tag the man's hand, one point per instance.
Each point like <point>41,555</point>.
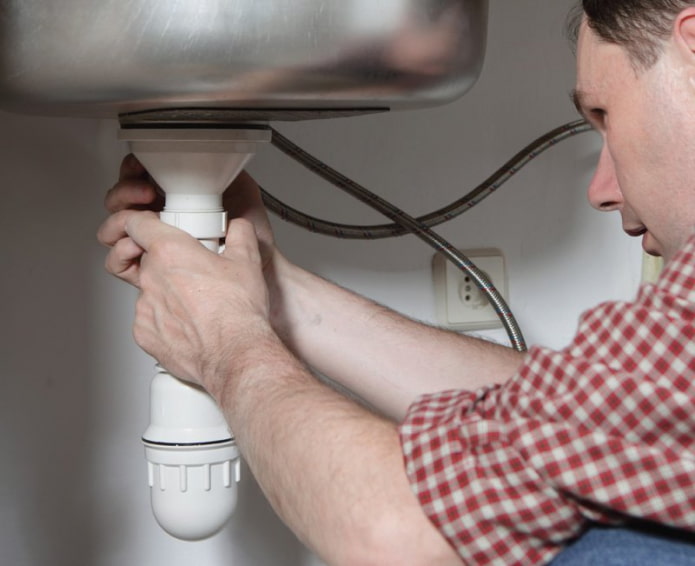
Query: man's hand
<point>135,189</point>
<point>195,307</point>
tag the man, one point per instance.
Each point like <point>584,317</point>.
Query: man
<point>521,453</point>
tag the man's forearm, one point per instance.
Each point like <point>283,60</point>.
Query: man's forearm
<point>385,358</point>
<point>332,470</point>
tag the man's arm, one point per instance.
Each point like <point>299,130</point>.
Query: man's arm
<point>382,356</point>
<point>332,470</point>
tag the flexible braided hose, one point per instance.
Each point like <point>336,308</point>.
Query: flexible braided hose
<point>421,227</point>
<point>456,208</point>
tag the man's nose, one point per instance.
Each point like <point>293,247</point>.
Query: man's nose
<point>604,192</point>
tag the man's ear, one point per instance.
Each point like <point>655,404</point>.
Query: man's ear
<point>684,29</point>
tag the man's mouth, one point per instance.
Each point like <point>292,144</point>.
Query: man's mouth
<point>635,232</point>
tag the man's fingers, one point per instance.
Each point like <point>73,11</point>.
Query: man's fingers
<point>134,189</point>
<point>131,168</point>
<point>130,234</point>
<point>146,229</point>
<point>123,261</point>
<point>114,228</point>
<point>241,237</point>
<point>242,198</point>
<point>143,226</point>
<point>132,193</point>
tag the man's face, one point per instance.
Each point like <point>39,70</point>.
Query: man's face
<point>647,166</point>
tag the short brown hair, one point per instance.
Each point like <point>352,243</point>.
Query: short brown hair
<point>640,26</point>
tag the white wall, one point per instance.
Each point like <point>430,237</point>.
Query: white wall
<point>74,387</point>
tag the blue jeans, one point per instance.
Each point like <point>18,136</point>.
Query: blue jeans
<point>636,546</point>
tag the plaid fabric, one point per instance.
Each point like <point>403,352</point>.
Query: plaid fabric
<point>601,431</point>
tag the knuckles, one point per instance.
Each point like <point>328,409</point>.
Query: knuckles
<point>164,252</point>
<point>113,228</point>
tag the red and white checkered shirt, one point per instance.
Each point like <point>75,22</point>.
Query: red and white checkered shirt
<point>603,430</point>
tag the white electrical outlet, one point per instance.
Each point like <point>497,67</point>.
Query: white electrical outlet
<point>460,304</point>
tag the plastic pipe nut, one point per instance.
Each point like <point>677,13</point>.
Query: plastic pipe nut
<point>202,225</point>
<point>193,489</point>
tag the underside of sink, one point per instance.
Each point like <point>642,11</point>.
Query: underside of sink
<point>246,59</point>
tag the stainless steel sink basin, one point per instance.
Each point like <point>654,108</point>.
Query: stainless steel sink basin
<point>278,59</point>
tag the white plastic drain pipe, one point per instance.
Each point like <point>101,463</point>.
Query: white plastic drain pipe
<point>193,463</point>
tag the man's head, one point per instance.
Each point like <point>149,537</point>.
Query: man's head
<point>636,85</point>
<point>640,26</point>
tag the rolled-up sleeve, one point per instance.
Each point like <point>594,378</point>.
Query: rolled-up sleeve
<point>601,431</point>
